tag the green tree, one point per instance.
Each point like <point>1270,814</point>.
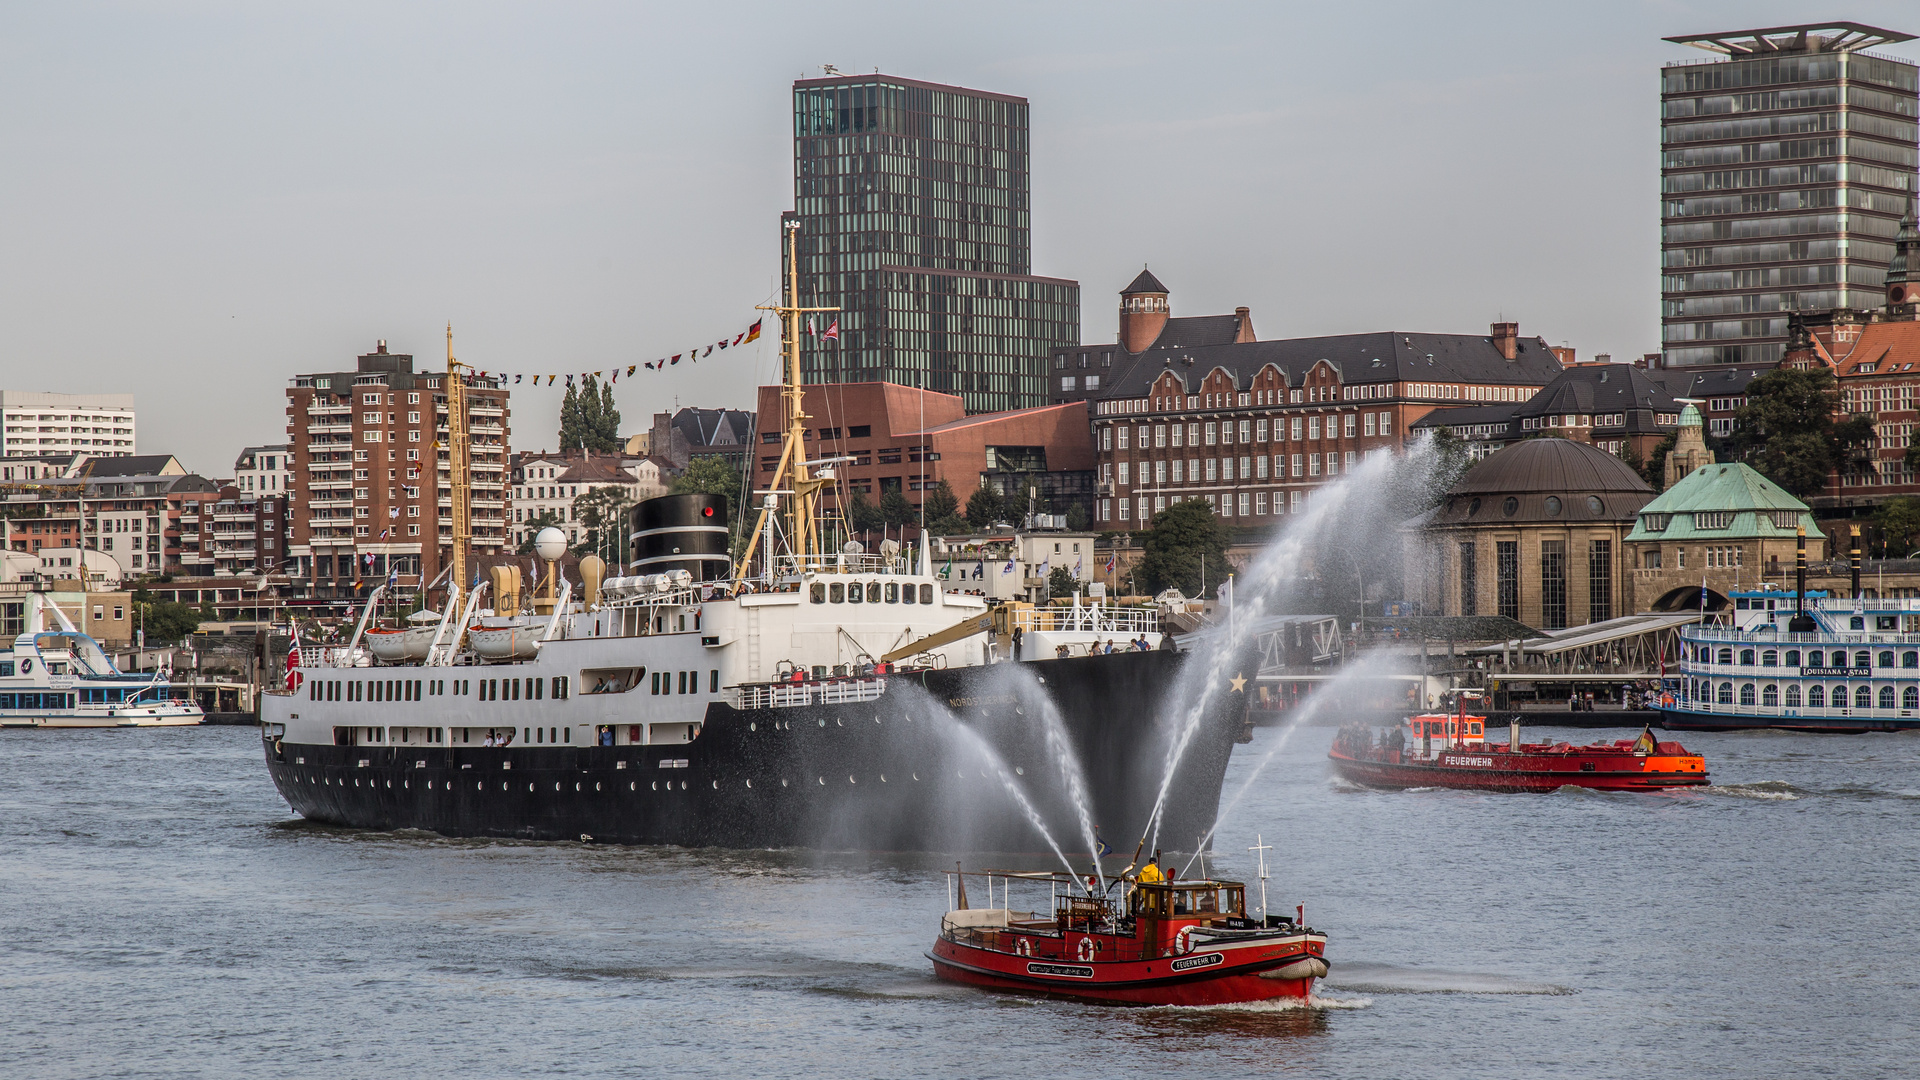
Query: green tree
<point>1077,518</point>
<point>861,515</point>
<point>169,622</point>
<point>897,510</point>
<point>1788,431</point>
<point>941,503</point>
<point>710,474</point>
<point>1899,521</point>
<point>1183,536</point>
<point>546,518</point>
<point>603,510</point>
<point>984,507</point>
<point>1061,582</point>
<point>589,419</point>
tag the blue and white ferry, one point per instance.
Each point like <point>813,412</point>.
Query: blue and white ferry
<point>62,678</point>
<point>1851,665</point>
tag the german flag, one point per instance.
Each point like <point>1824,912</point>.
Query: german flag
<point>753,332</point>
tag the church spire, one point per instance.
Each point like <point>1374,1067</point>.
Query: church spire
<point>1903,272</point>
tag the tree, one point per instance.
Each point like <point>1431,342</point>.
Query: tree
<point>896,509</point>
<point>168,621</point>
<point>1183,538</point>
<point>943,511</point>
<point>1077,519</point>
<point>603,510</point>
<point>1061,582</point>
<point>984,507</point>
<point>1899,521</point>
<point>861,515</point>
<point>588,418</point>
<point>710,474</point>
<point>546,518</point>
<point>1787,429</point>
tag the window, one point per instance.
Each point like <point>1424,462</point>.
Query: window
<point>1368,427</point>
<point>1212,433</point>
<point>1507,577</point>
<point>1816,697</point>
<point>1886,697</point>
<point>1725,696</point>
<point>1553,584</point>
<point>1793,696</point>
<point>1348,426</point>
<point>1469,579</point>
<point>1863,697</point>
<point>1599,580</point>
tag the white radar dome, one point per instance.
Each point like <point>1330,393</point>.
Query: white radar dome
<point>550,543</point>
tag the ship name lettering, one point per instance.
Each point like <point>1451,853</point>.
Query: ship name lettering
<point>1203,960</point>
<point>1467,760</point>
<point>1071,971</point>
<point>985,699</point>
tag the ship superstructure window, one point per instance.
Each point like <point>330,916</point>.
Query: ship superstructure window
<point>855,594</point>
<point>562,687</point>
<point>713,681</point>
<point>906,595</point>
<point>837,592</point>
<point>818,592</point>
<point>926,594</point>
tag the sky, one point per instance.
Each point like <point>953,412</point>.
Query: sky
<point>204,199</point>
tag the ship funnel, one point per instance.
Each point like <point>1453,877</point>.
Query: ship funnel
<point>1801,623</point>
<point>506,590</point>
<point>1513,735</point>
<point>1853,561</point>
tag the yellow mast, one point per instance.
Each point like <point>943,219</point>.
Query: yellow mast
<point>457,451</point>
<point>803,516</point>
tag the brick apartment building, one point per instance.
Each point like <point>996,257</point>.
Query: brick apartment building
<point>1254,426</point>
<point>908,440</point>
<point>370,482</point>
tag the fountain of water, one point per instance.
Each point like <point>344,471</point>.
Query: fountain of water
<point>1035,700</point>
<point>1351,506</point>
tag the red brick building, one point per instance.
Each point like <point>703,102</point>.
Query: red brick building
<point>371,493</point>
<point>900,438</point>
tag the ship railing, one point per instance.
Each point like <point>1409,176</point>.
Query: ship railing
<point>1682,703</point>
<point>1830,637</point>
<point>843,564</point>
<point>1098,619</point>
<point>792,695</point>
<point>332,656</point>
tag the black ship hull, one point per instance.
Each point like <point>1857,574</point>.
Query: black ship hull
<point>942,760</point>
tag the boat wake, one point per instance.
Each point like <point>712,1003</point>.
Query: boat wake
<point>1274,1005</point>
<point>1770,790</point>
<point>1394,979</point>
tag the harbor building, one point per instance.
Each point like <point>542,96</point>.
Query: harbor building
<point>913,206</point>
<point>1534,533</point>
<point>1620,408</point>
<point>1203,410</point>
<point>546,485</point>
<point>370,483</point>
<point>35,423</point>
<point>1787,161</point>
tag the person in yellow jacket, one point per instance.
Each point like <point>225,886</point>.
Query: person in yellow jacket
<point>1150,874</point>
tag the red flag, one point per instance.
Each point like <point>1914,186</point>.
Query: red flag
<point>294,675</point>
<point>675,360</point>
<point>833,331</point>
<point>753,332</point>
<point>810,332</point>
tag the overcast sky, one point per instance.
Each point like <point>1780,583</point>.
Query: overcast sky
<point>203,199</point>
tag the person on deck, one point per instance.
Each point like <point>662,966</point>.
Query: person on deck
<point>1150,874</point>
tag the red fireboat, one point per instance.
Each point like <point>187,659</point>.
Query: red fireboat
<point>1180,942</point>
<point>1451,750</point>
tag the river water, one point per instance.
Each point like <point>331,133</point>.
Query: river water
<point>163,915</point>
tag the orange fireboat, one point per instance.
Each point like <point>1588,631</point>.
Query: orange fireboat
<point>1451,750</point>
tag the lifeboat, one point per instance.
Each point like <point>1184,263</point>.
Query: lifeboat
<point>507,639</point>
<point>1183,942</point>
<point>1451,750</point>
<point>400,646</point>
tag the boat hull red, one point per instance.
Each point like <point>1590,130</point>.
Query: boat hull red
<point>1486,771</point>
<point>1251,973</point>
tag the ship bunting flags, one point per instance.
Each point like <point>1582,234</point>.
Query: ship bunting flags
<point>612,375</point>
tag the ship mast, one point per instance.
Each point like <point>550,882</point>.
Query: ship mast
<point>457,467</point>
<point>791,477</point>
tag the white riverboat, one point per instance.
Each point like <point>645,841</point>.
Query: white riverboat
<point>1846,665</point>
<point>55,676</point>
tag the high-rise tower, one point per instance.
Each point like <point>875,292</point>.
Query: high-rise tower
<point>1786,166</point>
<point>913,204</point>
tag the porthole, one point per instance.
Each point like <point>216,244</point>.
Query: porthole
<point>883,778</point>
<point>683,785</point>
<point>850,780</point>
<point>479,786</point>
<point>1553,506</point>
<point>837,722</point>
<point>576,785</point>
<point>1510,507</point>
<point>823,781</point>
<point>716,785</point>
<point>916,776</point>
<point>633,785</point>
<point>783,781</point>
<point>1595,506</point>
<point>749,783</point>
<point>823,721</point>
<point>753,727</point>
<point>656,785</point>
<point>596,785</point>
<point>1019,771</point>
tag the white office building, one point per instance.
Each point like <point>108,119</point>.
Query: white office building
<point>32,423</point>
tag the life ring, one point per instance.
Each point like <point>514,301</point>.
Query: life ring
<point>1182,942</point>
<point>1023,948</point>
<point>1086,949</point>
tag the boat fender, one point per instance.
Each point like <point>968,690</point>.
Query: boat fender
<point>1086,949</point>
<point>1023,948</point>
<point>1307,967</point>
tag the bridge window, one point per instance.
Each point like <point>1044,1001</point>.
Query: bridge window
<point>1726,656</point>
<point>1726,693</point>
<point>1746,657</point>
<point>1793,695</point>
<point>1886,658</point>
<point>1816,697</point>
<point>1746,693</point>
<point>1770,658</point>
<point>1793,657</point>
<point>1886,697</point>
<point>1863,697</point>
<point>1770,695</point>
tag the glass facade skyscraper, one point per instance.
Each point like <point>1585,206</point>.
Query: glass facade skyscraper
<point>1786,165</point>
<point>912,200</point>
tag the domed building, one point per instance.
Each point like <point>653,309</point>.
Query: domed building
<point>1535,533</point>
